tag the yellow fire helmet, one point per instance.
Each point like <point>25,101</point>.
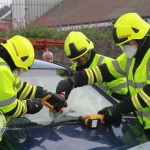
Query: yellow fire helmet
<point>76,45</point>
<point>128,27</point>
<point>21,51</point>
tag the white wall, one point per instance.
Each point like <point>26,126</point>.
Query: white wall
<point>22,10</point>
<point>18,13</point>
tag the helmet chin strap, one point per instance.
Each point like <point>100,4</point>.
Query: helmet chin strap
<point>89,52</point>
<point>140,44</point>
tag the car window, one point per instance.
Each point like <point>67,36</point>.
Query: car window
<point>81,101</point>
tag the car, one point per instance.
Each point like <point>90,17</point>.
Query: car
<point>63,130</point>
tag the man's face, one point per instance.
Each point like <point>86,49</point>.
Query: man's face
<point>48,58</point>
<point>82,60</point>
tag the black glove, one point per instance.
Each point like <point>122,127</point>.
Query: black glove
<point>111,114</point>
<point>65,86</point>
<point>56,101</point>
<point>34,105</point>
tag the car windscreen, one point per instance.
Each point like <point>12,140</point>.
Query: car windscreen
<point>81,101</point>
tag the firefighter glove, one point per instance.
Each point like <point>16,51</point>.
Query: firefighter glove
<point>65,86</point>
<point>56,101</point>
<point>111,114</point>
<point>34,105</point>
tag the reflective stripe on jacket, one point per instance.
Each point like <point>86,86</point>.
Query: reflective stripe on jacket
<point>116,86</point>
<point>13,93</point>
<point>140,96</point>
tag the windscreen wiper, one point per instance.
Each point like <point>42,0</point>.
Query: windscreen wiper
<point>66,122</point>
<point>21,125</point>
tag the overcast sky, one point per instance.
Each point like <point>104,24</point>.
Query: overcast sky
<point>5,2</point>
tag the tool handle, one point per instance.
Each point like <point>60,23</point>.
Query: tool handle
<point>47,104</point>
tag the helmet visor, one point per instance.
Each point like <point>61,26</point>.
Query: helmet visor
<point>83,59</point>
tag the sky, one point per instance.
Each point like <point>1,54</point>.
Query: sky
<point>5,2</point>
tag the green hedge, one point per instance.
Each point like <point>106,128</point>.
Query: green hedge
<point>38,30</point>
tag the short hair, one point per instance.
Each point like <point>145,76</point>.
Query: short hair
<point>47,52</point>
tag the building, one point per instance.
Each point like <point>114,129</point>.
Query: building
<point>73,14</point>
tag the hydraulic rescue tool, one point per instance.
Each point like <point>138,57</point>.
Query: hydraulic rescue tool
<point>45,103</point>
<point>92,121</point>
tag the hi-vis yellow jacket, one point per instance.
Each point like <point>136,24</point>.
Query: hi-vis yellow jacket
<point>116,86</point>
<point>138,79</point>
<point>13,93</point>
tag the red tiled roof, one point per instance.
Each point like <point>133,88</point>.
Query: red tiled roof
<point>88,11</point>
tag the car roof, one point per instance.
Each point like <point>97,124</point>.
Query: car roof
<point>43,64</point>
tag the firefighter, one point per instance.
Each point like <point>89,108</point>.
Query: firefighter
<point>18,98</point>
<point>79,49</point>
<point>131,33</point>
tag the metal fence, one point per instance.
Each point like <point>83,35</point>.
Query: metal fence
<point>67,14</point>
